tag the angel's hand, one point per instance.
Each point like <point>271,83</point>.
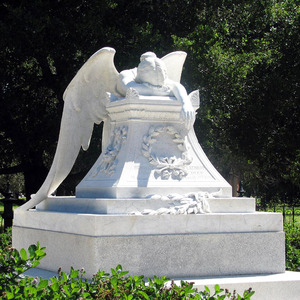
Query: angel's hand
<point>188,114</point>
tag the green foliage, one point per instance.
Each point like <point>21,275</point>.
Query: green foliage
<point>118,285</point>
<point>5,240</point>
<point>246,56</point>
<point>115,286</point>
<point>292,246</point>
<point>14,263</point>
<point>16,183</point>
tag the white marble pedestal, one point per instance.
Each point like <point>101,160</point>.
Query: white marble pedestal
<point>149,155</point>
<point>214,244</point>
<point>148,150</point>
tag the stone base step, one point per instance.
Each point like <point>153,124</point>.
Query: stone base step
<point>283,286</point>
<point>171,255</point>
<point>128,206</point>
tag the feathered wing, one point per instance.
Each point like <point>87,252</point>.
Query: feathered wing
<point>85,104</point>
<point>174,62</point>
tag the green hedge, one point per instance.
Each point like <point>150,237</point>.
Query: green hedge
<point>292,246</point>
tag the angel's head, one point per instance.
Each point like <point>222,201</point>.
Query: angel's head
<point>151,70</point>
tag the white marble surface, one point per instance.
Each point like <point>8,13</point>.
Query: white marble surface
<point>128,206</point>
<point>157,155</point>
<point>114,225</point>
<point>171,255</point>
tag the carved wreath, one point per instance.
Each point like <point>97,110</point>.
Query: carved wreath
<point>167,167</point>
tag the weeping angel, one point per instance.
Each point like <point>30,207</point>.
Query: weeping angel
<point>85,101</point>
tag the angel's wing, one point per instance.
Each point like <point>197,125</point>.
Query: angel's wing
<point>174,62</point>
<point>85,104</point>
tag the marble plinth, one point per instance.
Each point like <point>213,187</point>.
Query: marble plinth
<point>164,245</point>
<point>127,206</point>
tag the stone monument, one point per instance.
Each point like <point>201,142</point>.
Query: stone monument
<point>152,202</point>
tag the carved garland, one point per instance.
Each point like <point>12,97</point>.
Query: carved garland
<point>108,162</point>
<point>167,167</point>
<point>191,203</point>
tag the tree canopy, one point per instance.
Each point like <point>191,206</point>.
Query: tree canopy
<point>242,55</point>
<point>247,56</point>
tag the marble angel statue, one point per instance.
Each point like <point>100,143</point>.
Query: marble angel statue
<point>85,101</point>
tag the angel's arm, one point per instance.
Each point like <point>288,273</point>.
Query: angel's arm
<point>188,113</point>
<point>127,80</point>
<point>171,88</point>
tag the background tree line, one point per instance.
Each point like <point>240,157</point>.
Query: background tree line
<point>243,56</point>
